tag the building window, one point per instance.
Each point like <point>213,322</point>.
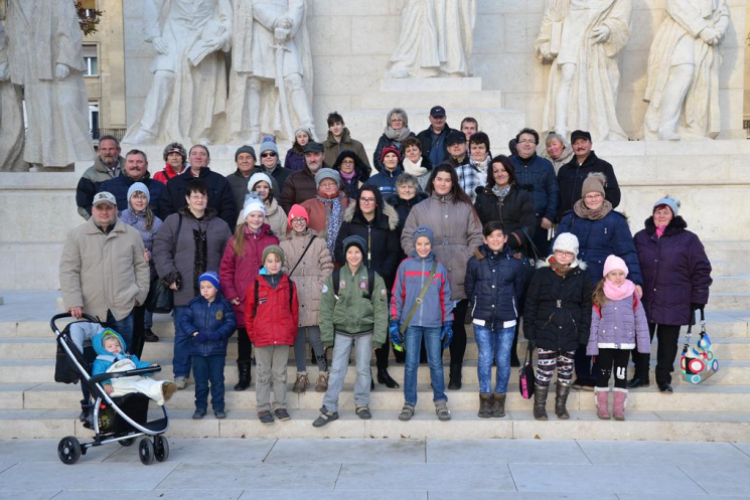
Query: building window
<point>90,60</point>
<point>94,120</point>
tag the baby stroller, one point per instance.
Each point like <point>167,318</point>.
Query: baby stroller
<point>114,419</point>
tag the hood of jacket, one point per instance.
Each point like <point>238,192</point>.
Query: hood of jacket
<point>208,215</point>
<point>675,226</point>
<point>396,201</point>
<point>360,169</point>
<point>345,137</point>
<point>386,216</point>
<point>98,342</point>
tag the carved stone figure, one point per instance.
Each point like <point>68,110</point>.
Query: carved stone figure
<point>683,72</point>
<point>11,115</point>
<point>272,74</point>
<point>45,55</point>
<point>188,97</point>
<point>436,39</point>
<point>582,39</point>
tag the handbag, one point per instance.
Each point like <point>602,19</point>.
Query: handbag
<point>698,363</point>
<point>160,297</point>
<point>526,375</point>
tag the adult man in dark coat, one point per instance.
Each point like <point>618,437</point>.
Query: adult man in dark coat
<point>136,170</point>
<point>300,186</point>
<point>108,165</point>
<point>434,138</point>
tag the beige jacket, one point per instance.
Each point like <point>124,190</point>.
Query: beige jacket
<point>104,272</point>
<point>310,274</point>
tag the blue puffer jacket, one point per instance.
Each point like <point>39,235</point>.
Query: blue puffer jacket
<point>119,188</point>
<point>599,239</point>
<point>105,359</point>
<point>215,320</point>
<point>385,181</point>
<point>540,174</point>
<point>493,280</point>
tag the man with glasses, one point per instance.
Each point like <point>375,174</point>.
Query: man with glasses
<point>572,174</point>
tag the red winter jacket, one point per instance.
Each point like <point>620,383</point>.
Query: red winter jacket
<point>163,176</point>
<point>274,320</point>
<point>237,273</point>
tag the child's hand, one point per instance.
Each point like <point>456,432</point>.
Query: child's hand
<point>199,337</point>
<point>108,388</point>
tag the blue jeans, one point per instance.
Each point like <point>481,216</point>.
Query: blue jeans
<point>124,327</point>
<point>181,357</point>
<point>205,369</point>
<point>434,350</point>
<point>493,344</point>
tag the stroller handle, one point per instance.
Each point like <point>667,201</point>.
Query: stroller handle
<point>64,315</point>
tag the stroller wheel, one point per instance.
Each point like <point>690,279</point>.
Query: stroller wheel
<point>127,442</point>
<point>161,448</point>
<point>69,450</point>
<point>146,451</point>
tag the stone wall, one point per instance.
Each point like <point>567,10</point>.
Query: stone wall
<point>352,41</point>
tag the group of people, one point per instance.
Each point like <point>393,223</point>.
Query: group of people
<point>351,257</point>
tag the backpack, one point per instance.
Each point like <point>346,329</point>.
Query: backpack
<point>635,306</point>
<point>337,281</point>
<point>255,295</point>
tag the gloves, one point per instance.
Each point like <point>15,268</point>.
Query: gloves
<point>394,330</point>
<point>200,337</point>
<point>447,334</point>
<point>213,336</point>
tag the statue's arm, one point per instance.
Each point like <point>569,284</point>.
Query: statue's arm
<point>618,23</point>
<point>296,14</point>
<point>68,37</point>
<point>722,25</point>
<point>685,13</point>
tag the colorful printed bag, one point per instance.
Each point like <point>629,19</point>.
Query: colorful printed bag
<point>698,363</point>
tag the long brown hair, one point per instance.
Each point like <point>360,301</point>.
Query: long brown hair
<point>598,298</point>
<point>149,214</point>
<point>238,243</point>
<point>456,191</point>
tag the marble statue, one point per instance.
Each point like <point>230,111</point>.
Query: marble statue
<point>188,96</point>
<point>45,56</point>
<point>683,72</point>
<point>271,79</point>
<point>582,40</point>
<point>11,115</point>
<point>436,39</point>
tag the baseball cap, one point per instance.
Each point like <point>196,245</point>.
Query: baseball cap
<point>437,112</point>
<point>104,197</point>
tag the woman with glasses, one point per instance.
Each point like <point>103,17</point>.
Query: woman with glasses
<point>354,173</point>
<point>269,159</point>
<point>395,133</point>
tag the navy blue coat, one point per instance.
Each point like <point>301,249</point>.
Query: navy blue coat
<point>598,239</point>
<point>216,320</point>
<point>493,280</point>
<point>676,272</point>
<point>539,178</point>
<point>385,181</point>
<point>119,188</point>
<point>220,196</point>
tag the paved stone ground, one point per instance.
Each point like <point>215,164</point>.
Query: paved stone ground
<point>314,469</point>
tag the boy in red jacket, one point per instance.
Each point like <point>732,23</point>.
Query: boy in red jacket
<point>271,317</point>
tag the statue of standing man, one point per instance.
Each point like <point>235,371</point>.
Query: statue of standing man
<point>272,75</point>
<point>683,72</point>
<point>582,39</point>
<point>11,115</point>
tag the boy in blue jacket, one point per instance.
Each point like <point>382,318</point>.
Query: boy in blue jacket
<point>210,319</point>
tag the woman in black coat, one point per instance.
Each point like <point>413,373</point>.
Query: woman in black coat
<point>353,171</point>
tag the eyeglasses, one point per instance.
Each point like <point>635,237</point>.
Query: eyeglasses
<point>268,155</point>
<point>328,184</point>
<point>298,220</point>
<point>367,200</point>
<point>594,196</point>
<point>347,162</point>
<point>196,196</point>
<point>527,141</point>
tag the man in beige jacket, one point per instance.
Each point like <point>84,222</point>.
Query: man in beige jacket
<point>103,270</point>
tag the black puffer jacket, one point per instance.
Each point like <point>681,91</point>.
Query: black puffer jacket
<point>516,212</point>
<point>361,173</point>
<point>557,315</point>
<point>571,177</point>
<point>493,281</point>
<point>403,207</point>
<point>220,196</point>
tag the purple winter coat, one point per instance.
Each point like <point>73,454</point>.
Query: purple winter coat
<point>294,161</point>
<point>676,272</point>
<point>619,327</point>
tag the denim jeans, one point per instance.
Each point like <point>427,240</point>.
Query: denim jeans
<point>181,356</point>
<point>124,327</point>
<point>342,347</point>
<point>205,369</point>
<point>493,344</point>
<point>413,341</point>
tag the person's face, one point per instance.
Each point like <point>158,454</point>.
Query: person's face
<point>423,246</point>
<point>616,277</point>
<point>526,145</point>
<point>564,258</point>
<point>104,213</point>
<point>555,149</point>
<point>197,201</point>
<point>437,122</point>
<point>328,187</point>
<point>337,129</point>
<point>442,183</point>
<point>593,201</point>
<point>582,147</point>
<point>263,190</point>
<point>353,256</point>
<point>175,161</point>
<point>367,202</point>
<point>208,290</point>
<point>469,129</point>
<point>314,160</point>
<point>347,165</point>
<point>496,240</point>
<point>136,166</point>
<point>272,263</point>
<point>662,216</point>
<point>198,158</point>
<point>457,149</point>
<point>109,151</point>
<point>413,153</point>
<point>112,346</point>
<point>302,138</point>
<point>501,176</point>
<point>245,163</point>
<point>390,160</point>
<point>478,152</point>
<point>138,201</point>
<point>406,191</point>
<point>397,121</point>
<point>299,224</point>
<point>269,159</point>
<point>254,220</point>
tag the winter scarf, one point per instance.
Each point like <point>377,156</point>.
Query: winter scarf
<point>415,169</point>
<point>333,219</point>
<point>586,213</point>
<point>481,166</point>
<point>501,193</point>
<point>348,177</point>
<point>660,230</point>
<point>614,292</point>
<point>397,135</point>
<point>559,269</point>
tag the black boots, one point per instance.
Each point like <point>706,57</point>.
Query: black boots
<point>561,399</point>
<point>385,378</point>
<point>540,401</point>
<point>243,367</point>
<point>454,378</point>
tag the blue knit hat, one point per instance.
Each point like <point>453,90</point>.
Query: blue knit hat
<point>670,202</point>
<point>139,186</point>
<point>269,144</point>
<point>211,277</point>
<point>424,231</point>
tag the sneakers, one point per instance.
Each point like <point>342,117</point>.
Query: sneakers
<point>220,414</point>
<point>406,412</point>
<point>265,417</point>
<point>149,336</point>
<point>322,383</point>
<point>199,413</point>
<point>300,385</point>
<point>442,411</point>
<point>363,412</point>
<point>325,417</point>
<point>181,382</point>
<point>282,414</point>
<point>168,389</point>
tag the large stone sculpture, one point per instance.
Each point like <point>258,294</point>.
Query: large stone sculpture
<point>582,39</point>
<point>11,115</point>
<point>436,39</point>
<point>188,96</point>
<point>45,55</point>
<point>272,74</point>
<point>683,72</point>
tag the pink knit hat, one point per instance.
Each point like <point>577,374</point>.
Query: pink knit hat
<point>613,263</point>
<point>297,211</point>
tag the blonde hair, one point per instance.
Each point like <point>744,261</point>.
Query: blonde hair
<point>149,213</point>
<point>238,243</point>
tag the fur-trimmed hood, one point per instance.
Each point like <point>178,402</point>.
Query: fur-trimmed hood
<point>676,225</point>
<point>386,216</point>
<point>576,263</point>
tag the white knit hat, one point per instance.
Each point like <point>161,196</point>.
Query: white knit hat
<point>253,205</point>
<point>566,242</point>
<point>256,178</point>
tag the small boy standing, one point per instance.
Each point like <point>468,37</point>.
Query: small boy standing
<point>211,321</point>
<point>271,317</point>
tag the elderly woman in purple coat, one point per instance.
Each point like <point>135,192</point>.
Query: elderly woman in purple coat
<point>677,276</point>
